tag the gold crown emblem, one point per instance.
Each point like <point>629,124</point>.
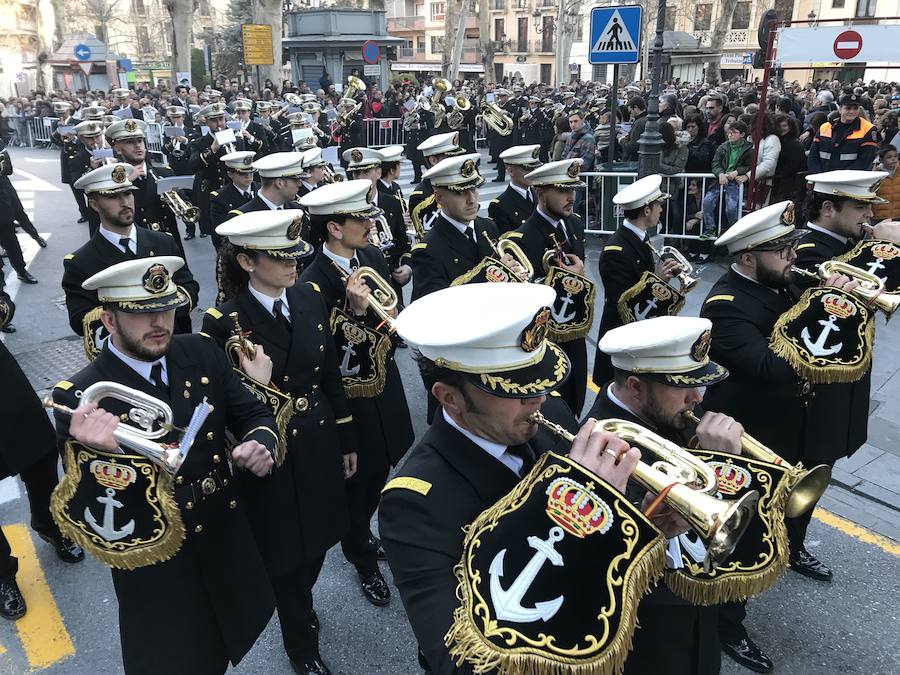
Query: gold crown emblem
<point>356,156</point>
<point>118,174</point>
<point>536,331</point>
<point>885,251</point>
<point>573,170</point>
<point>130,126</point>
<point>467,170</point>
<point>293,231</point>
<point>700,348</point>
<point>577,508</point>
<point>660,291</point>
<point>353,333</point>
<point>496,274</point>
<point>788,216</point>
<point>572,285</point>
<point>156,280</point>
<point>112,475</point>
<point>838,305</point>
<point>731,478</point>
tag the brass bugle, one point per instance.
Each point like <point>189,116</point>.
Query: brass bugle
<point>554,255</point>
<point>382,300</point>
<point>503,247</point>
<point>720,523</point>
<point>870,290</point>
<point>688,283</point>
<point>808,484</point>
<point>238,344</point>
<point>180,207</point>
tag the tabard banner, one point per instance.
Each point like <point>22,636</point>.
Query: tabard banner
<point>827,337</point>
<point>650,297</point>
<point>489,270</point>
<point>281,405</point>
<point>117,507</point>
<point>761,555</point>
<point>552,574</point>
<point>881,258</point>
<point>573,312</point>
<point>362,356</point>
<point>94,333</point>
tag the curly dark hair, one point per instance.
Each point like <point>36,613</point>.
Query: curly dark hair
<point>318,228</point>
<point>232,277</point>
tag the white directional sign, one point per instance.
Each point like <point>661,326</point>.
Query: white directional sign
<point>872,43</point>
<point>616,34</point>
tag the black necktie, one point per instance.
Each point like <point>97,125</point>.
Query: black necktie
<point>125,242</point>
<point>279,315</point>
<point>156,377</point>
<point>470,235</point>
<point>530,196</point>
<point>561,234</point>
<point>354,263</point>
<point>525,453</point>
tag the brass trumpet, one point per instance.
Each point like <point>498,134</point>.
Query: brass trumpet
<point>180,207</point>
<point>720,523</point>
<point>237,344</point>
<point>329,176</point>
<point>456,118</point>
<point>503,247</point>
<point>354,86</point>
<point>382,300</point>
<point>153,419</point>
<point>441,87</point>
<point>808,484</point>
<point>496,118</point>
<point>551,256</point>
<point>688,283</point>
<point>292,101</point>
<point>870,289</point>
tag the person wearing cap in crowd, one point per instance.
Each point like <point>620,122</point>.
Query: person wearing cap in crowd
<point>280,174</point>
<point>498,143</point>
<point>253,134</point>
<point>390,171</point>
<point>111,196</point>
<point>182,100</point>
<point>288,323</point>
<point>480,445</point>
<point>847,143</point>
<point>353,133</point>
<point>237,191</point>
<point>416,124</point>
<point>627,255</point>
<point>569,104</point>
<point>301,139</point>
<point>314,171</point>
<point>422,205</point>
<point>77,160</point>
<point>320,126</point>
<point>661,367</point>
<point>127,138</point>
<point>553,185</point>
<point>515,204</point>
<point>264,112</point>
<point>12,215</point>
<point>93,113</point>
<point>122,97</point>
<point>213,592</point>
<point>177,148</point>
<point>341,222</point>
<point>209,172</point>
<point>530,121</point>
<point>762,391</point>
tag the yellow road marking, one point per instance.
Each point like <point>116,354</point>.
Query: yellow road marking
<point>857,532</point>
<point>593,387</point>
<point>42,631</point>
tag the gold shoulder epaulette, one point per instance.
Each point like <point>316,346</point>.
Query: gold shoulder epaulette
<point>416,192</point>
<point>408,483</point>
<point>809,244</point>
<point>495,201</point>
<point>69,256</point>
<point>206,335</point>
<point>214,313</point>
<point>726,298</point>
<point>555,393</point>
<point>418,247</point>
<point>344,420</point>
<point>612,247</point>
<point>65,385</point>
<point>512,234</point>
<point>315,286</point>
<point>235,212</point>
<point>214,193</point>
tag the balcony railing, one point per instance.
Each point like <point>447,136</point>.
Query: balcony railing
<point>519,47</point>
<point>499,5</point>
<point>401,23</point>
<point>545,45</point>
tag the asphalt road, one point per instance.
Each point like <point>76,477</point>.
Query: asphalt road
<point>849,626</point>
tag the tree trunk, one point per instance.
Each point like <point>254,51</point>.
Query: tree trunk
<point>564,37</point>
<point>269,12</point>
<point>59,22</point>
<point>486,40</point>
<point>723,23</point>
<point>451,26</point>
<point>182,13</point>
<point>460,40</point>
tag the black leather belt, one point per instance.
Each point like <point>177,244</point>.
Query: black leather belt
<point>212,486</point>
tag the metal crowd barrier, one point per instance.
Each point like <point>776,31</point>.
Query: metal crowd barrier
<point>40,130</point>
<point>682,216</point>
<point>154,138</point>
<point>384,131</point>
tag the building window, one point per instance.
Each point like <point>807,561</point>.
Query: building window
<point>579,31</point>
<point>438,10</point>
<point>420,9</point>
<point>143,39</point>
<point>702,17</point>
<point>522,42</point>
<point>600,70</point>
<point>498,29</point>
<point>437,44</point>
<point>139,7</point>
<point>420,44</point>
<point>865,7</point>
<point>837,4</point>
<point>100,32</point>
<point>671,16</point>
<point>740,20</point>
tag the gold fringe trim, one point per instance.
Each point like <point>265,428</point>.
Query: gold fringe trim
<point>575,332</point>
<point>647,279</point>
<point>91,348</point>
<point>281,405</point>
<point>355,387</point>
<point>467,644</point>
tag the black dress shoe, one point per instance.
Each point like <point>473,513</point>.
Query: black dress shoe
<point>83,219</point>
<point>12,604</point>
<point>202,236</point>
<point>41,242</point>
<point>810,566</point>
<point>311,666</point>
<point>26,277</point>
<point>67,550</point>
<point>375,588</point>
<point>375,542</point>
<point>748,654</point>
<point>8,328</point>
<point>188,237</point>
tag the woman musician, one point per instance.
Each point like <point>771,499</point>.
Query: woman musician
<point>287,323</point>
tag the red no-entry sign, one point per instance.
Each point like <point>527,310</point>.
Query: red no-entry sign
<point>847,44</point>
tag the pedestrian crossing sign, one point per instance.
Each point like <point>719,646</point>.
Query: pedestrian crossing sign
<point>616,34</point>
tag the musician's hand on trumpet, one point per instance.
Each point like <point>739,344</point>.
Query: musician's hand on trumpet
<point>571,263</point>
<point>508,260</point>
<point>94,427</point>
<point>254,457</point>
<point>358,293</point>
<point>887,230</point>
<point>259,367</point>
<point>605,454</point>
<point>667,268</point>
<point>717,431</point>
<point>665,518</point>
<point>841,282</point>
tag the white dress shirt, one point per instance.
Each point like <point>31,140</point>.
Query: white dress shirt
<point>819,228</point>
<point>554,223</point>
<point>462,227</point>
<point>113,238</point>
<point>495,450</point>
<point>340,261</point>
<point>142,368</point>
<point>268,302</point>
<point>522,191</point>
<point>271,205</point>
<point>641,234</point>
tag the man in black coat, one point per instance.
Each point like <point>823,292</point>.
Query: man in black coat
<point>70,146</point>
<point>515,204</point>
<point>627,255</point>
<point>237,190</point>
<point>478,447</point>
<point>110,195</point>
<point>12,215</point>
<point>90,137</point>
<point>177,149</point>
<point>213,593</point>
<point>422,205</point>
<point>252,133</point>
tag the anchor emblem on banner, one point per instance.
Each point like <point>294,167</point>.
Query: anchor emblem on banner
<point>349,352</point>
<point>641,314</point>
<point>818,347</point>
<point>560,316</point>
<point>108,530</point>
<point>508,602</point>
<point>874,266</point>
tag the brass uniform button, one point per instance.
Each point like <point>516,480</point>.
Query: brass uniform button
<point>232,504</point>
<point>179,480</point>
<point>204,380</point>
<point>286,378</point>
<point>187,394</point>
<point>216,459</point>
<point>187,383</point>
<point>211,407</point>
<point>208,485</point>
<point>321,423</point>
<point>293,432</point>
<point>316,369</point>
<point>301,404</point>
<point>321,348</point>
<point>210,436</point>
<point>198,529</point>
<point>319,326</point>
<point>189,506</point>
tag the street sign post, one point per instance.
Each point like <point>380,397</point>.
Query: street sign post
<point>370,52</point>
<point>616,34</point>
<point>257,41</point>
<point>82,52</point>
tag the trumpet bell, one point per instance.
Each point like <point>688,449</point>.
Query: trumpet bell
<point>721,525</point>
<point>354,86</point>
<point>808,488</point>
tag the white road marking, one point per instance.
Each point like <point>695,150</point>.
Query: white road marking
<point>9,490</point>
<point>31,182</point>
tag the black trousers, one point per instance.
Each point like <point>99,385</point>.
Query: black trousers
<point>10,244</point>
<point>362,500</point>
<point>796,529</point>
<point>294,602</point>
<point>80,201</point>
<point>40,479</point>
<point>731,621</point>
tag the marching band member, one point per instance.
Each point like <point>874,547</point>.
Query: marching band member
<point>264,113</point>
<point>253,134</point>
<point>238,190</point>
<point>288,323</point>
<point>515,204</point>
<point>341,225</point>
<point>479,446</point>
<point>422,205</point>
<point>390,171</point>
<point>627,255</point>
<point>90,137</point>
<point>111,195</point>
<point>280,174</point>
<point>209,590</point>
<point>314,171</point>
<point>70,148</point>
<point>177,150</point>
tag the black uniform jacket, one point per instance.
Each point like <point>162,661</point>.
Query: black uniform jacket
<point>838,413</point>
<point>299,512</point>
<point>687,634</point>
<point>510,210</point>
<point>149,210</point>
<point>623,260</point>
<point>447,253</point>
<point>423,192</point>
<point>99,253</point>
<point>209,174</point>
<point>213,595</point>
<point>761,392</point>
<point>225,200</point>
<point>393,213</point>
<point>382,422</point>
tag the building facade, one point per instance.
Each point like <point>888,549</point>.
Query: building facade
<point>26,33</point>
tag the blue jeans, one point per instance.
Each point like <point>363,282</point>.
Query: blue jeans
<point>731,193</point>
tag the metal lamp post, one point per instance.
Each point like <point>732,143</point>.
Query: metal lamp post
<point>650,143</point>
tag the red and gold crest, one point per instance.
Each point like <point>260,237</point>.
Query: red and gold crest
<point>789,215</point>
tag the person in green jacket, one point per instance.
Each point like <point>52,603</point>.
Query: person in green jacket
<point>731,166</point>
